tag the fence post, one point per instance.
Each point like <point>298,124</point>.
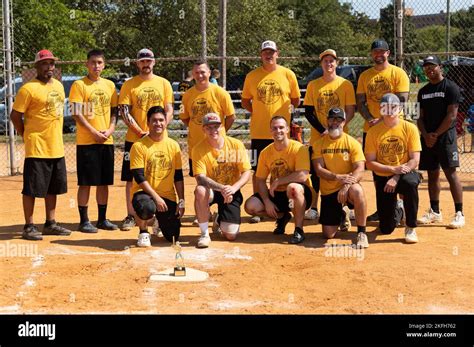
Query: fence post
<point>7,48</point>
<point>223,41</point>
<point>203,30</point>
<point>399,32</point>
<point>448,27</point>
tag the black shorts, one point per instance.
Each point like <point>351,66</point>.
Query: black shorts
<point>190,161</point>
<point>331,209</point>
<point>169,222</point>
<point>127,175</point>
<point>44,176</point>
<point>256,147</point>
<point>95,165</point>
<point>229,213</point>
<point>315,181</point>
<point>282,202</point>
<point>444,153</point>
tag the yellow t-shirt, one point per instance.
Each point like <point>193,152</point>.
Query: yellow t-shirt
<point>42,105</point>
<point>374,84</point>
<point>160,161</point>
<point>142,95</point>
<point>197,104</point>
<point>225,165</point>
<point>270,93</point>
<point>282,163</point>
<point>392,145</point>
<point>339,155</point>
<point>324,95</point>
<point>97,98</point>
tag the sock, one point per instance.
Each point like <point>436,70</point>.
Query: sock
<point>360,229</point>
<point>435,205</point>
<point>143,231</point>
<point>458,207</point>
<point>83,214</point>
<point>102,211</point>
<point>49,222</point>
<point>204,228</point>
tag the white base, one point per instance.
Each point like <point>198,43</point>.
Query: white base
<point>192,275</point>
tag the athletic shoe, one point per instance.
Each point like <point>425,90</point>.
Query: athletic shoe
<point>156,229</point>
<point>352,215</point>
<point>281,224</point>
<point>311,214</point>
<point>410,235</point>
<point>31,232</point>
<point>374,217</point>
<point>345,221</point>
<point>255,219</point>
<point>204,241</point>
<point>402,208</point>
<point>88,228</point>
<point>430,217</point>
<point>128,223</point>
<point>144,240</point>
<point>362,240</point>
<point>215,224</point>
<point>458,221</point>
<point>298,236</point>
<point>106,225</point>
<point>55,229</point>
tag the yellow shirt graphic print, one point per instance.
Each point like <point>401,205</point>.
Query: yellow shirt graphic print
<point>269,91</point>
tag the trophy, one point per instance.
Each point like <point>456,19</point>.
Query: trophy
<point>179,269</point>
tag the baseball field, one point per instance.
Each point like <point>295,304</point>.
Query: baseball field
<point>259,273</point>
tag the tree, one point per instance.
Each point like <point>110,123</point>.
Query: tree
<point>463,40</point>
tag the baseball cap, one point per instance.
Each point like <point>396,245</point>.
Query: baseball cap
<point>390,99</point>
<point>330,52</point>
<point>145,54</point>
<point>431,59</point>
<point>269,45</point>
<point>211,118</point>
<point>144,206</point>
<point>44,54</point>
<point>337,112</point>
<point>379,44</point>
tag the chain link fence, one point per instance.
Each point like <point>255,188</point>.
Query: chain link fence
<point>230,41</point>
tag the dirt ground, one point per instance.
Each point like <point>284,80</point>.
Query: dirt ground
<point>258,273</point>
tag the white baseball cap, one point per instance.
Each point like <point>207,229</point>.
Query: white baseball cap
<point>269,45</point>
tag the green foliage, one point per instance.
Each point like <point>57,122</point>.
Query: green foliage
<point>463,40</point>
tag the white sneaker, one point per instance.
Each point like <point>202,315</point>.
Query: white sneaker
<point>352,215</point>
<point>458,221</point>
<point>430,217</point>
<point>410,235</point>
<point>144,240</point>
<point>362,240</point>
<point>156,229</point>
<point>255,219</point>
<point>215,225</point>
<point>311,214</point>
<point>204,241</point>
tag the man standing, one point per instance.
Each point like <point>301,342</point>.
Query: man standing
<point>155,162</point>
<point>94,107</point>
<point>287,163</point>
<point>221,168</point>
<point>375,82</point>
<point>137,96</point>
<point>439,101</point>
<point>392,151</point>
<point>322,94</point>
<point>268,91</point>
<point>339,161</point>
<point>38,117</point>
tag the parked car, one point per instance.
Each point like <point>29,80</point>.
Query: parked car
<point>349,72</point>
<point>69,125</point>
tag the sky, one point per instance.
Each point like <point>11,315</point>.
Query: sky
<point>372,7</point>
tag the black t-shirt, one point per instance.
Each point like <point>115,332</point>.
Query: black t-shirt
<point>434,100</point>
<point>184,86</point>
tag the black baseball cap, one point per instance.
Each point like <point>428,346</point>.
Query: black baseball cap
<point>337,112</point>
<point>431,59</point>
<point>379,44</point>
<point>143,205</point>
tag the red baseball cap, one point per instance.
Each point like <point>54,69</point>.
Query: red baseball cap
<point>44,54</point>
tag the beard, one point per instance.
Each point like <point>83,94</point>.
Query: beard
<point>335,132</point>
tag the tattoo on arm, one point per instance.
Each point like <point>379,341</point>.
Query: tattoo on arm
<point>209,183</point>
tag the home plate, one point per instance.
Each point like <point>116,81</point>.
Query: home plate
<point>192,275</point>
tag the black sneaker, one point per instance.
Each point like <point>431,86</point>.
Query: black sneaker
<point>55,229</point>
<point>88,228</point>
<point>31,232</point>
<point>106,225</point>
<point>128,223</point>
<point>298,236</point>
<point>374,217</point>
<point>281,224</point>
